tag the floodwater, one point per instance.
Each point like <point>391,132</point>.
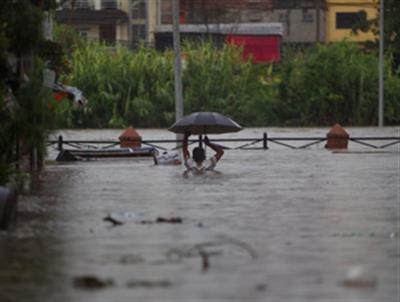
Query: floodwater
<point>275,225</point>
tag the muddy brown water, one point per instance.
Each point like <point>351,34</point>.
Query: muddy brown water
<point>275,225</point>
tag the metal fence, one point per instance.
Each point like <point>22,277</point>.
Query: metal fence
<point>255,143</point>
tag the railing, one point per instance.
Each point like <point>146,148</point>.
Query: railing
<point>261,143</point>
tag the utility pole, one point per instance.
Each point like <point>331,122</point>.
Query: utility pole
<point>177,65</point>
<point>381,64</point>
<point>317,20</point>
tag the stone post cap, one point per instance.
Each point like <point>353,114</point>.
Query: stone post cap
<point>130,134</point>
<point>337,131</point>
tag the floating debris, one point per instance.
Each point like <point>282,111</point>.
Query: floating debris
<point>169,220</point>
<point>359,277</point>
<point>121,218</point>
<point>114,221</point>
<point>209,249</point>
<point>204,257</point>
<point>92,282</point>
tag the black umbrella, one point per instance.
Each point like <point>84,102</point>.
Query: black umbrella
<point>205,123</point>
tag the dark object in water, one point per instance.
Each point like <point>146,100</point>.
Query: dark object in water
<point>8,207</point>
<point>169,220</point>
<point>112,220</point>
<point>92,282</point>
<point>118,220</point>
<point>79,154</point>
<point>205,263</point>
<point>172,220</point>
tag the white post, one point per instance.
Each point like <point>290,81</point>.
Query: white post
<point>177,65</point>
<point>381,65</point>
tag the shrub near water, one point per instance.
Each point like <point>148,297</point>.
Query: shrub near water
<point>219,80</point>
<point>137,88</point>
<point>336,83</point>
<point>123,87</point>
<point>321,86</point>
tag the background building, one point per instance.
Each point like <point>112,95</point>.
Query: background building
<point>128,22</point>
<point>102,20</point>
<point>260,41</point>
<point>342,15</point>
<point>132,22</point>
<point>303,20</point>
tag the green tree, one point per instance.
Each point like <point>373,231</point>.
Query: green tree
<point>24,113</point>
<point>391,26</point>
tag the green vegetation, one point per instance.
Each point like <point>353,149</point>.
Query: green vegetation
<point>318,86</point>
<point>25,112</point>
<point>138,88</point>
<point>391,26</point>
<point>336,83</point>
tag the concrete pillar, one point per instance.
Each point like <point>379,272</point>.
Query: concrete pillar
<point>130,138</point>
<point>337,138</point>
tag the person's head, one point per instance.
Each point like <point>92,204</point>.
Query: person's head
<point>198,155</point>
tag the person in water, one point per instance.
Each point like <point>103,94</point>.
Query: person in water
<point>198,164</point>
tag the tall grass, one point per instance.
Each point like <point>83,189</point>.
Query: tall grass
<point>123,87</point>
<point>137,88</point>
<point>322,85</point>
<point>336,83</point>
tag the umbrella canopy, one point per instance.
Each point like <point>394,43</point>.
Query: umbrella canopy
<point>205,123</point>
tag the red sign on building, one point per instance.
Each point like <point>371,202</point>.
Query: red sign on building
<point>259,49</point>
<point>260,41</point>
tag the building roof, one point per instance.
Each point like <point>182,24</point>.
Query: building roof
<point>226,29</point>
<point>91,16</point>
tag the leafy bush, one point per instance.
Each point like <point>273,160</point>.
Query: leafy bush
<point>123,87</point>
<point>137,88</point>
<point>334,83</point>
<point>321,85</point>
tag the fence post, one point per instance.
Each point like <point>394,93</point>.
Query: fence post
<point>265,141</point>
<point>60,143</point>
<point>337,138</point>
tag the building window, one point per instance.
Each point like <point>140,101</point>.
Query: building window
<point>307,16</point>
<point>346,20</point>
<point>307,3</point>
<point>109,4</point>
<point>283,17</point>
<point>108,33</point>
<point>284,4</point>
<point>138,9</point>
<point>77,4</point>
<point>293,4</point>
<point>166,12</point>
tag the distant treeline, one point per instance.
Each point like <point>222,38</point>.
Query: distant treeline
<point>318,86</point>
